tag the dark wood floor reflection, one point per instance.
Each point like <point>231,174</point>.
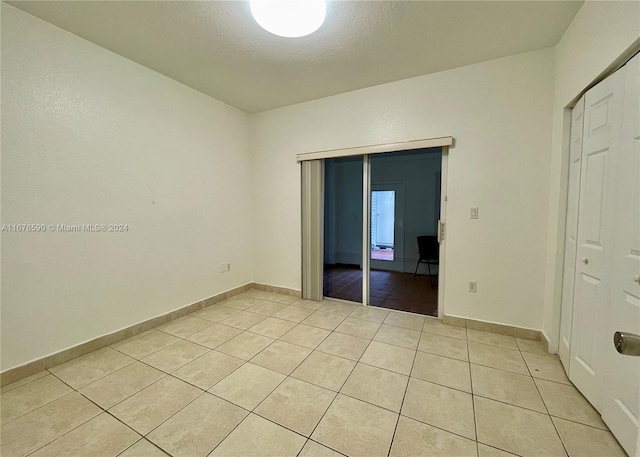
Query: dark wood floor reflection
<point>388,289</point>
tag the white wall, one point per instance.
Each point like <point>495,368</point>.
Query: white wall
<point>600,33</point>
<point>500,114</point>
<point>91,137</point>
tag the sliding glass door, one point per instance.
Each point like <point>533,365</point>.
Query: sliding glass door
<point>405,209</point>
<point>381,223</point>
<point>343,216</point>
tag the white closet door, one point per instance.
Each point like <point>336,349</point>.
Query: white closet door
<point>571,243</point>
<point>621,386</point>
<point>600,155</point>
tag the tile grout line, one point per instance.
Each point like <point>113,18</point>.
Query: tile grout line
<point>509,404</point>
<point>338,391</point>
<point>76,360</point>
<point>47,403</point>
<point>145,435</point>
<point>286,376</point>
<point>583,424</point>
<point>133,444</point>
<point>289,375</point>
<point>173,344</point>
<point>44,404</point>
<point>26,383</point>
<point>142,438</point>
<point>324,445</point>
<point>151,353</point>
<point>102,410</point>
<point>252,411</point>
<point>69,431</point>
<point>500,369</point>
<point>515,406</point>
<point>249,411</point>
<point>394,412</point>
<point>206,390</point>
<point>566,451</point>
<point>132,338</point>
<point>473,401</point>
<point>135,393</point>
<point>404,396</point>
<point>474,395</point>
<point>438,427</point>
<point>220,352</point>
<point>141,360</point>
<point>499,449</point>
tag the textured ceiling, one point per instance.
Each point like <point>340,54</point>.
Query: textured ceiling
<point>218,49</point>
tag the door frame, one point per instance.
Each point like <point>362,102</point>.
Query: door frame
<point>443,142</point>
<point>398,215</point>
<point>552,338</point>
<point>603,399</point>
<point>571,234</point>
<point>442,229</point>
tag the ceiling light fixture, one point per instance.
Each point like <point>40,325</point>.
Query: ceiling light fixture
<point>289,18</point>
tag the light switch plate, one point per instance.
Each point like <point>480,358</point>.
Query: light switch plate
<point>474,213</point>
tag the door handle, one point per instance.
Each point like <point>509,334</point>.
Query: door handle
<point>585,261</point>
<point>627,343</point>
<point>440,231</point>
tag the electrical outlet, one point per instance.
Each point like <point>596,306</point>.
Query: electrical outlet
<point>474,213</point>
<point>225,266</point>
<point>473,287</point>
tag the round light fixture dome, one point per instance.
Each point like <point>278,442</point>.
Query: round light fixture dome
<point>289,18</point>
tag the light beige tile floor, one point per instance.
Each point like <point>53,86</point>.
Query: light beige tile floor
<point>268,374</point>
